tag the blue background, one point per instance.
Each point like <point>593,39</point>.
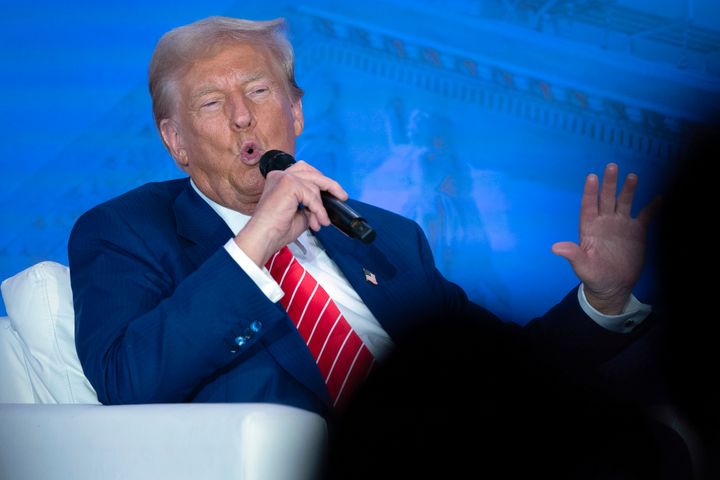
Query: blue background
<point>480,119</point>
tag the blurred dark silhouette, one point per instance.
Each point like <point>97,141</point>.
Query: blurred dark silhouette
<point>478,402</point>
<point>489,404</point>
<point>687,255</point>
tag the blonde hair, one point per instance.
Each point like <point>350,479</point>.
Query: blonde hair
<point>180,47</point>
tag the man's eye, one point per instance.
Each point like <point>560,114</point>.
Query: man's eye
<point>259,91</point>
<point>211,103</point>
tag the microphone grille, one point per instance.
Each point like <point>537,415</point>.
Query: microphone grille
<point>275,160</point>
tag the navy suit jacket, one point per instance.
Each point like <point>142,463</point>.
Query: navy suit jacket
<point>159,302</point>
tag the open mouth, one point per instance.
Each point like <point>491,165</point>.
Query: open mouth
<point>250,153</point>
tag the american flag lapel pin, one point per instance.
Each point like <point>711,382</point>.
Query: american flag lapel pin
<point>369,276</point>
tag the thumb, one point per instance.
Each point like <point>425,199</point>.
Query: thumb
<point>568,250</point>
<point>650,211</point>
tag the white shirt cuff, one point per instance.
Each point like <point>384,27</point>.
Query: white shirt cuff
<point>632,315</point>
<point>260,276</point>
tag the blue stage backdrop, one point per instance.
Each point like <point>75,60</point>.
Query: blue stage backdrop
<point>479,119</point>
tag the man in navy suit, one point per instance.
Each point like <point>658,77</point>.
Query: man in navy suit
<point>172,300</point>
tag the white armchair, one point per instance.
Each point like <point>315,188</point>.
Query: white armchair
<point>53,427</point>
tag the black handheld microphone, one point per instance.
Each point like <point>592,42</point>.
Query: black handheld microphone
<point>343,217</point>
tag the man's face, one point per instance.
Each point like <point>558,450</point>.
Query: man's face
<point>231,107</point>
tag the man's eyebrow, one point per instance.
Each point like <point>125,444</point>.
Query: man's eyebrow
<point>244,78</point>
<point>253,77</point>
<point>204,91</point>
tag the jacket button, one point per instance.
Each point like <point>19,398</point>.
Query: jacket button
<point>240,341</point>
<point>256,326</point>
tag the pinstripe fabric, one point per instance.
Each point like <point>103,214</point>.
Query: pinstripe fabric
<point>340,354</point>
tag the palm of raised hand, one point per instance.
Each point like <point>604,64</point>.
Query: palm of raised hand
<point>610,255</point>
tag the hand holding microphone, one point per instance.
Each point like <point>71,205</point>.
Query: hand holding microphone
<point>341,216</point>
<point>277,220</point>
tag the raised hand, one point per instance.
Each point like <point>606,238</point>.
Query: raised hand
<point>610,256</point>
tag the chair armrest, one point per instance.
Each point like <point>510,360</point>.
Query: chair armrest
<point>178,441</point>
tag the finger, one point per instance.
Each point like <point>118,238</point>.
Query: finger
<point>286,192</point>
<point>301,165</point>
<point>589,203</point>
<point>569,250</point>
<point>333,187</point>
<point>313,205</point>
<point>300,223</point>
<point>310,174</point>
<point>312,220</point>
<point>608,189</point>
<point>625,199</point>
<point>649,211</point>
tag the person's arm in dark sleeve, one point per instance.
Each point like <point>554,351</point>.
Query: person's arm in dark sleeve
<point>143,338</point>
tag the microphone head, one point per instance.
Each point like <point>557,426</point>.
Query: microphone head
<point>275,160</point>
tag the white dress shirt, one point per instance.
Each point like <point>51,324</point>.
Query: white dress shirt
<point>311,255</point>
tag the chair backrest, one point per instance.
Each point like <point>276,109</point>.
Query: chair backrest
<point>38,359</point>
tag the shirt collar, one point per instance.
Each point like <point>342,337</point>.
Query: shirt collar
<point>236,221</point>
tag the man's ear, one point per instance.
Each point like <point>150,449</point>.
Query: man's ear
<point>299,118</point>
<point>171,137</point>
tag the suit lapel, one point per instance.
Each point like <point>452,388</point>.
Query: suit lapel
<point>356,259</point>
<point>204,232</point>
<point>197,223</point>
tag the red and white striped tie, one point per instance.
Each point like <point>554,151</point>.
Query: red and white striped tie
<point>340,354</point>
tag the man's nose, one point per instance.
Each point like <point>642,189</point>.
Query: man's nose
<point>241,115</point>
